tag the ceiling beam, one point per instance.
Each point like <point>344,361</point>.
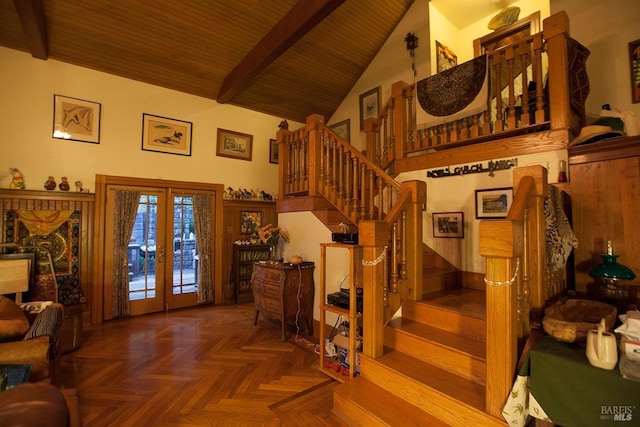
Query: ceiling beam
<point>31,14</point>
<point>305,15</point>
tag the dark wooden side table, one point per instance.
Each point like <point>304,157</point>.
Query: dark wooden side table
<point>284,291</point>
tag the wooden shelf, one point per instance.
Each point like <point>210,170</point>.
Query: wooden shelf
<point>355,255</point>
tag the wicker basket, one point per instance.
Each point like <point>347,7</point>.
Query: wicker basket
<point>571,321</point>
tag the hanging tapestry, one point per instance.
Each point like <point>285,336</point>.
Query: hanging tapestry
<point>455,93</point>
<point>62,242</point>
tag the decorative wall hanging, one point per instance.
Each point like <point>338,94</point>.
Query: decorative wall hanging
<point>491,167</point>
<point>448,224</point>
<point>369,105</point>
<point>412,44</point>
<point>250,222</point>
<point>76,119</point>
<point>634,58</point>
<point>455,93</point>
<point>342,129</point>
<point>165,135</point>
<point>506,16</point>
<point>493,202</point>
<point>273,151</point>
<point>234,144</point>
<point>446,58</point>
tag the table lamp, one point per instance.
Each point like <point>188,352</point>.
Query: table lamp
<point>610,272</point>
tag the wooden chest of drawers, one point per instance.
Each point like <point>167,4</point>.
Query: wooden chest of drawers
<point>284,292</point>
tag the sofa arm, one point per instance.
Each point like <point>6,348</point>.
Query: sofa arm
<point>34,352</point>
<point>47,323</point>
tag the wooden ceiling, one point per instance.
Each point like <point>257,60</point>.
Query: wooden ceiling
<point>288,58</point>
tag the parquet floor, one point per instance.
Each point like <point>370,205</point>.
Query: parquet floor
<point>206,366</point>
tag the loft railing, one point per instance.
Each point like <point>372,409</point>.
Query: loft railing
<point>523,76</point>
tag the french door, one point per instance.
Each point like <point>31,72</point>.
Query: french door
<point>162,253</point>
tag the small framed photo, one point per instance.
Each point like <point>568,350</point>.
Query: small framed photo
<point>234,144</point>
<point>250,222</point>
<point>448,224</point>
<point>493,202</point>
<point>342,129</point>
<point>165,135</point>
<point>369,105</point>
<point>76,119</point>
<point>634,58</point>
<point>273,151</point>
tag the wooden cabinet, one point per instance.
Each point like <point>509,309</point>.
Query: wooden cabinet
<point>243,258</point>
<point>351,314</point>
<point>284,292</point>
<point>234,213</point>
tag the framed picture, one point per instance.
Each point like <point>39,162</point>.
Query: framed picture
<point>165,135</point>
<point>76,119</point>
<point>234,144</point>
<point>273,151</point>
<point>446,58</point>
<point>448,224</point>
<point>493,202</point>
<point>250,222</point>
<point>634,58</point>
<point>369,105</point>
<point>342,129</point>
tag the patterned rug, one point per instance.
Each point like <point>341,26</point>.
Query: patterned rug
<point>63,244</point>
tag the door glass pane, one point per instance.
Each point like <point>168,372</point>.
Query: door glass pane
<point>185,251</point>
<point>142,250</point>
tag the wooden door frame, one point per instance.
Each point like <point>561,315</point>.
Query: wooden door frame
<point>100,216</point>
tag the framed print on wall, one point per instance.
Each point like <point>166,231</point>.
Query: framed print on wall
<point>342,129</point>
<point>448,224</point>
<point>250,222</point>
<point>493,202</point>
<point>165,135</point>
<point>234,144</point>
<point>273,151</point>
<point>634,58</point>
<point>76,119</point>
<point>446,58</point>
<point>369,105</point>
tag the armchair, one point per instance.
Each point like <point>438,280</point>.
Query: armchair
<point>31,339</point>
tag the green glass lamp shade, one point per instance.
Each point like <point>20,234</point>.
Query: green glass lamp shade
<point>610,269</point>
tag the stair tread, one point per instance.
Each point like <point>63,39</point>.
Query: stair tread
<point>467,301</point>
<point>384,405</point>
<point>470,346</point>
<point>466,391</point>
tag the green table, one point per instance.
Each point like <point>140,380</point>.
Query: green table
<point>573,393</point>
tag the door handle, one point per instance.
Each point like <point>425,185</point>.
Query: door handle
<point>160,254</point>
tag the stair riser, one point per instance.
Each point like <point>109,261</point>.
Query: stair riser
<point>447,320</point>
<point>436,282</point>
<point>431,401</point>
<point>354,414</point>
<point>451,360</point>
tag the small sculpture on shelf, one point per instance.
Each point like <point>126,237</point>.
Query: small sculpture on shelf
<point>78,185</point>
<point>50,183</point>
<point>17,179</point>
<point>64,185</point>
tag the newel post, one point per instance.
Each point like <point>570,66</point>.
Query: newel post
<point>373,237</point>
<point>555,31</point>
<point>412,237</point>
<point>314,154</point>
<point>501,242</point>
<point>282,136</point>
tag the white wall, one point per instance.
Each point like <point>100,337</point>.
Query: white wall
<point>26,116</point>
<point>605,28</point>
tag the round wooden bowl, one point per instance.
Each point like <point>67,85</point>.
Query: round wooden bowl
<point>572,321</point>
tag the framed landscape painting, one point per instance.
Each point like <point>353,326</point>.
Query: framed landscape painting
<point>493,202</point>
<point>234,144</point>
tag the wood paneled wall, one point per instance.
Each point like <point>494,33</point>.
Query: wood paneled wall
<point>11,199</point>
<point>605,194</point>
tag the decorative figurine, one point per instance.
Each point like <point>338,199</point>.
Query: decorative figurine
<point>17,179</point>
<point>64,185</point>
<point>50,184</point>
<point>78,186</point>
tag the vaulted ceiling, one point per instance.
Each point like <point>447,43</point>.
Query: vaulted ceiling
<point>288,58</point>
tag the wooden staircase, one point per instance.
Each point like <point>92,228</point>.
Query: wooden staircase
<point>433,369</point>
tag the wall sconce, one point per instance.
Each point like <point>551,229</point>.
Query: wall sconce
<point>412,44</point>
<point>610,272</point>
